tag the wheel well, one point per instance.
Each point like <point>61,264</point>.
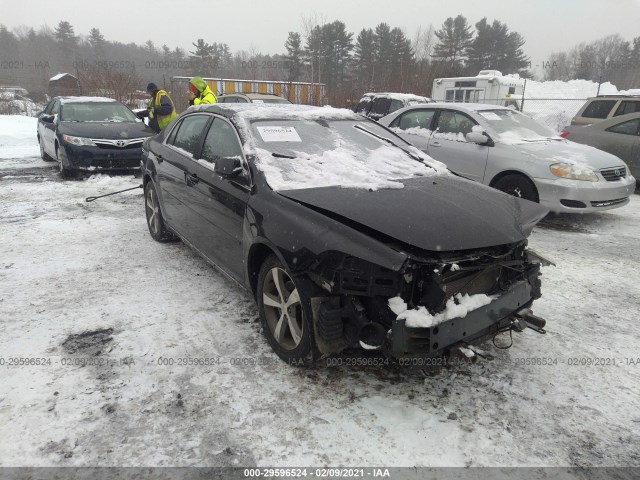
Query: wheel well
<point>145,180</point>
<point>257,255</point>
<point>501,175</point>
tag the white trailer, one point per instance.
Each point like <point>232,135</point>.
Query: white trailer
<point>489,86</point>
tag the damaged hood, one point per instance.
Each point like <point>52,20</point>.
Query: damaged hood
<point>443,213</point>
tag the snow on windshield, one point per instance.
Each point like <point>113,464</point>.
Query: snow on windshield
<point>319,150</point>
<point>343,166</point>
<point>514,127</point>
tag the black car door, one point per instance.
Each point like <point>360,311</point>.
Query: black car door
<point>174,158</point>
<point>220,202</point>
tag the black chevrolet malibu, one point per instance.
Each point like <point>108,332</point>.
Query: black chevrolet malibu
<point>345,235</point>
<point>91,134</point>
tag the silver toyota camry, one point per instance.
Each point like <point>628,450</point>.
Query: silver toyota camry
<point>510,151</point>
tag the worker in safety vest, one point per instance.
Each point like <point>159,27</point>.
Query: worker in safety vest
<point>199,92</point>
<point>160,108</point>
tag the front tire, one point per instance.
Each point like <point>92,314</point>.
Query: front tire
<point>518,186</point>
<point>45,156</point>
<point>64,171</point>
<point>157,228</point>
<point>285,314</point>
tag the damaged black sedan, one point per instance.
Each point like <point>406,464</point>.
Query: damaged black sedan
<point>345,234</point>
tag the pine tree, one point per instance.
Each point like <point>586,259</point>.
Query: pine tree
<point>97,42</point>
<point>294,55</point>
<point>67,40</point>
<point>203,61</point>
<point>364,59</point>
<point>454,38</point>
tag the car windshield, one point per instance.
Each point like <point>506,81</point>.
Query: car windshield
<point>514,127</point>
<point>311,153</point>
<point>96,112</point>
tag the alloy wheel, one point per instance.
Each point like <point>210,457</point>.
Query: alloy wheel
<point>282,308</point>
<point>152,212</point>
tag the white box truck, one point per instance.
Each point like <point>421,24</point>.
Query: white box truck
<point>489,86</point>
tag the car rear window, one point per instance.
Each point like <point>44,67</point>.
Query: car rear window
<point>599,109</point>
<point>628,106</point>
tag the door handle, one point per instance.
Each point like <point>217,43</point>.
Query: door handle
<point>159,158</point>
<point>192,179</point>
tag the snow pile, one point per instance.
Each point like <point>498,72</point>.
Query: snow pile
<point>569,98</point>
<point>456,307</point>
<point>18,136</point>
<point>373,170</point>
<point>572,89</point>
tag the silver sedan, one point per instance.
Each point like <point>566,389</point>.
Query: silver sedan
<point>510,151</point>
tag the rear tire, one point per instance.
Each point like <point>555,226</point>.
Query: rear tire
<point>157,228</point>
<point>285,314</point>
<point>518,186</point>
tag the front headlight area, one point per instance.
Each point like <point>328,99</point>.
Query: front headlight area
<point>572,171</point>
<point>78,140</point>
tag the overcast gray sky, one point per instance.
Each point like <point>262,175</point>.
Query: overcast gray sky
<point>547,25</point>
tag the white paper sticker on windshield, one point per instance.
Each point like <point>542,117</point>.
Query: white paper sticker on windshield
<point>257,101</point>
<point>490,115</point>
<point>279,134</point>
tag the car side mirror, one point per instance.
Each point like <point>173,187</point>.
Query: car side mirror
<point>228,166</point>
<point>47,118</point>
<point>478,137</point>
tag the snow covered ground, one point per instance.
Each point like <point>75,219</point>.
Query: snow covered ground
<point>125,326</point>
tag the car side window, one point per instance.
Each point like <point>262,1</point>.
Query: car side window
<point>381,106</point>
<point>363,106</point>
<point>49,107</point>
<point>221,141</point>
<point>241,100</point>
<point>415,119</point>
<point>454,122</point>
<point>599,109</point>
<point>189,133</point>
<point>55,110</point>
<point>395,105</point>
<point>628,106</point>
<point>631,127</point>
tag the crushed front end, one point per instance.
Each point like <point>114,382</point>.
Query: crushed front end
<point>449,299</point>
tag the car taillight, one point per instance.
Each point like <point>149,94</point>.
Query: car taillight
<point>564,134</point>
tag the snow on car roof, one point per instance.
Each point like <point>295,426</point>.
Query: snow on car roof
<point>254,111</point>
<point>64,100</point>
<point>472,107</point>
<point>397,96</point>
<point>58,76</point>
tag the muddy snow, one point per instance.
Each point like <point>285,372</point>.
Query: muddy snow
<point>119,351</point>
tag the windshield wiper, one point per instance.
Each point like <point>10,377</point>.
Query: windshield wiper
<point>282,155</point>
<point>391,142</point>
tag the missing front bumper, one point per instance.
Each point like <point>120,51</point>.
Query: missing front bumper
<point>476,325</point>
